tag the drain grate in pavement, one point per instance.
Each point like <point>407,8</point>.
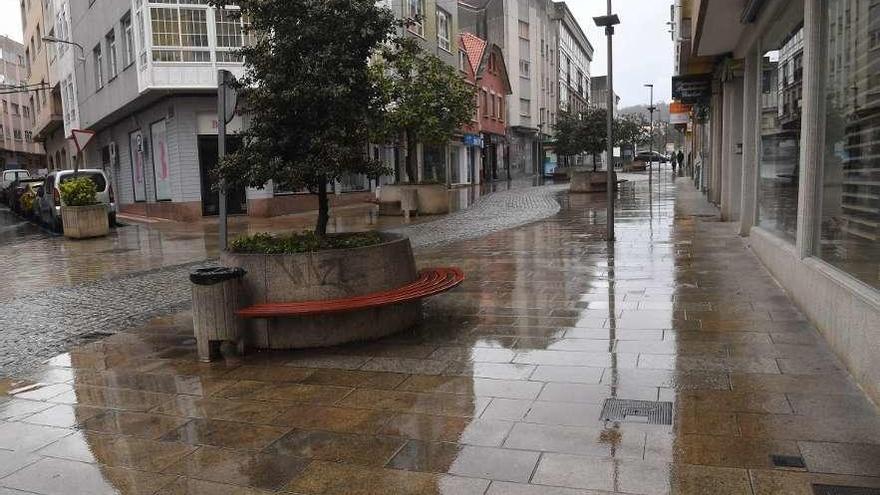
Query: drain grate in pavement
<point>844,490</point>
<point>637,411</point>
<point>788,461</point>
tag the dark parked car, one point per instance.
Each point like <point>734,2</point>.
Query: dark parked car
<point>648,156</point>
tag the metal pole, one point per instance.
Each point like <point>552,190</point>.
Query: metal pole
<point>609,32</point>
<point>221,152</point>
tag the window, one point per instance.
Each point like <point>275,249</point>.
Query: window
<point>525,107</point>
<point>28,136</point>
<point>180,34</point>
<point>417,17</point>
<point>26,112</point>
<point>850,215</point>
<point>524,30</point>
<point>112,65</point>
<point>780,134</point>
<point>128,41</point>
<point>230,30</point>
<point>5,107</point>
<point>494,108</point>
<point>485,103</point>
<point>16,134</point>
<point>15,109</point>
<point>2,132</point>
<point>98,57</point>
<point>69,99</point>
<point>462,61</point>
<point>500,108</point>
<point>525,69</point>
<point>444,23</point>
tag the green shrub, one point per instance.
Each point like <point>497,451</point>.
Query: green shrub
<point>304,242</point>
<point>78,191</point>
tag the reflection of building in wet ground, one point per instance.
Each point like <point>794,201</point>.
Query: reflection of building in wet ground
<point>500,391</point>
<point>791,148</point>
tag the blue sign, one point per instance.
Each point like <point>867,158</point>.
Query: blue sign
<point>472,140</point>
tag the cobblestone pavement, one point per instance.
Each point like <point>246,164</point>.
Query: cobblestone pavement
<point>502,390</point>
<point>60,293</point>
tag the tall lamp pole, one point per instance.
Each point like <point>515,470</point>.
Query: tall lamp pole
<point>651,109</point>
<point>608,21</point>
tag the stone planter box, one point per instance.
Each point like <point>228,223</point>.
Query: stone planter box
<point>589,182</point>
<point>330,274</point>
<point>433,199</point>
<point>83,222</point>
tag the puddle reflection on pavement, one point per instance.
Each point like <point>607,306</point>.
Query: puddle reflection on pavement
<point>501,390</point>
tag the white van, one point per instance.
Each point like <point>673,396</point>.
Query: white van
<point>49,196</point>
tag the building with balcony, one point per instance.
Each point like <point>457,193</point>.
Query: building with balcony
<point>783,135</point>
<point>574,55</point>
<point>44,100</point>
<point>147,86</point>
<point>528,33</point>
<point>17,146</point>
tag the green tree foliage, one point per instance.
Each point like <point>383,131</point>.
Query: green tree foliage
<point>587,132</point>
<point>426,99</point>
<point>308,94</point>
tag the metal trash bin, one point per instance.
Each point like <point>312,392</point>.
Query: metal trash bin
<point>215,297</point>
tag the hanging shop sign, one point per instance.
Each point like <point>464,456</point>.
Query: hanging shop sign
<point>692,88</point>
<point>472,140</point>
<point>679,113</point>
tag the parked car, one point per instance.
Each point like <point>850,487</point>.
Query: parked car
<point>49,196</point>
<point>15,191</point>
<point>6,180</point>
<point>651,156</point>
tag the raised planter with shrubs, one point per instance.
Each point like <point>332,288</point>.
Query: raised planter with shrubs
<point>304,267</point>
<point>432,198</point>
<point>82,216</point>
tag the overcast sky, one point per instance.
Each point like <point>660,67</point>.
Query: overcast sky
<point>10,19</point>
<point>642,46</point>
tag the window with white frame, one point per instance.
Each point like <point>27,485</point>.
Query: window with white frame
<point>127,40</point>
<point>462,61</point>
<point>98,59</point>
<point>525,107</point>
<point>417,17</point>
<point>525,68</point>
<point>112,61</point>
<point>524,30</point>
<point>444,27</point>
<point>180,34</point>
<point>230,30</point>
<point>142,35</point>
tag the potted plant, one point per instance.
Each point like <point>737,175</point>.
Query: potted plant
<point>82,215</point>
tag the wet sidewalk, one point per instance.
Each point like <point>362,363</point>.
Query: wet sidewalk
<point>671,363</point>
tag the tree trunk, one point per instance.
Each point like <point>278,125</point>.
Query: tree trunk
<point>323,210</point>
<point>412,156</point>
<point>595,166</point>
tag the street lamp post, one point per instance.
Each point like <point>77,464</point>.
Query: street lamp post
<point>608,21</point>
<point>53,39</point>
<point>651,109</point>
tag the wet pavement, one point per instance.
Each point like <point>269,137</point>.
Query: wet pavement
<point>502,389</point>
<point>58,293</point>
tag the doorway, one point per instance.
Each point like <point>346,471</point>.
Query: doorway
<point>236,199</point>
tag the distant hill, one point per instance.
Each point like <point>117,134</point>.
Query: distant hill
<point>661,114</point>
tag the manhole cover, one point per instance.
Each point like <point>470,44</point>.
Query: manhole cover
<point>844,490</point>
<point>637,411</point>
<point>788,461</point>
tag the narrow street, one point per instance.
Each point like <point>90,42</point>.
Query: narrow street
<point>500,390</point>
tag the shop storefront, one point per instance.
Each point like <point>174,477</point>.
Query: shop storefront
<point>790,152</point>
